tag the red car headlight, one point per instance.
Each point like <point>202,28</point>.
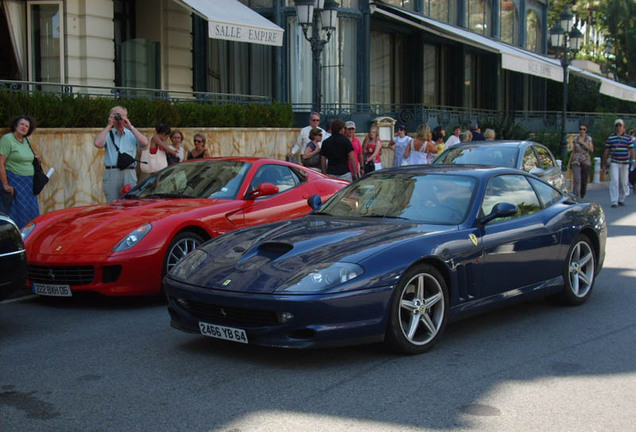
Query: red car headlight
<point>133,238</point>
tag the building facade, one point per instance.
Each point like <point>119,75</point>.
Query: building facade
<point>391,54</point>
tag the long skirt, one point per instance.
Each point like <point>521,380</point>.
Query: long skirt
<point>25,205</point>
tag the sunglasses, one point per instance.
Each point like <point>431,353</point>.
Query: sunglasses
<point>583,129</point>
<point>198,140</point>
<point>315,119</point>
<point>318,134</point>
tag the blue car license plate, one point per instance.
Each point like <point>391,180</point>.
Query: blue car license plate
<point>222,332</point>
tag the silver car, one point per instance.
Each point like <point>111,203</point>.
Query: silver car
<point>529,156</point>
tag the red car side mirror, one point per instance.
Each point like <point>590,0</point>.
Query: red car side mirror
<point>264,189</point>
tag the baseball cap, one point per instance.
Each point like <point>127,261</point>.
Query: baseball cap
<point>619,121</point>
<point>350,125</point>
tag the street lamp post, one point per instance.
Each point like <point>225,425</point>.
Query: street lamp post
<point>565,39</point>
<point>318,21</point>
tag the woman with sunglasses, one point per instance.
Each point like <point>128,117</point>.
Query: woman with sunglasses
<point>199,151</point>
<point>580,160</point>
<point>311,155</point>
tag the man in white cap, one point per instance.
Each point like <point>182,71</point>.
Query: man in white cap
<point>350,132</point>
<point>619,147</point>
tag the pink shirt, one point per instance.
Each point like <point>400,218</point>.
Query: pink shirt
<point>357,151</point>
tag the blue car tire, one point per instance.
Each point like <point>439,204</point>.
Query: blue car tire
<point>419,310</point>
<point>579,273</point>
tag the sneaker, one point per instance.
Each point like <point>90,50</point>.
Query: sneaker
<point>614,205</point>
<point>622,204</point>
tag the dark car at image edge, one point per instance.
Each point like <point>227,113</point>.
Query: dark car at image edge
<point>13,263</point>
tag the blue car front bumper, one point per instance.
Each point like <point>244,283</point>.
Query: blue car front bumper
<point>290,321</point>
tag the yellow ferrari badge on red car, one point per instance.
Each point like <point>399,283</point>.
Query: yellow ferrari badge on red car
<point>59,248</point>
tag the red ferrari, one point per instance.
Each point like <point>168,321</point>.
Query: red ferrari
<point>125,247</point>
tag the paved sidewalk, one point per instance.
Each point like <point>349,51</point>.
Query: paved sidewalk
<point>597,186</point>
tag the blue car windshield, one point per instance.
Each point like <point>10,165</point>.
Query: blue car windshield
<point>493,154</point>
<point>430,198</point>
<point>219,179</point>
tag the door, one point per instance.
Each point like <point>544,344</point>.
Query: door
<point>289,202</point>
<point>516,248</point>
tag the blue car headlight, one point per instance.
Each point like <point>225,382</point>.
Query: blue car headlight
<point>133,238</point>
<point>322,277</point>
<point>190,263</point>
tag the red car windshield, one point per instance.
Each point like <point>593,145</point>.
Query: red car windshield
<point>219,179</point>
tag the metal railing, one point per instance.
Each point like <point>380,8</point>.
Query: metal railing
<point>412,115</point>
<point>79,90</point>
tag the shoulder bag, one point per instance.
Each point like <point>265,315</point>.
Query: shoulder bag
<point>39,178</point>
<point>152,163</point>
<point>314,161</point>
<point>124,160</point>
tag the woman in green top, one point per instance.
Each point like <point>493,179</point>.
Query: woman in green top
<point>16,172</point>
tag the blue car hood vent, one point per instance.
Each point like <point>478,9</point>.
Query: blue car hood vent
<point>273,250</point>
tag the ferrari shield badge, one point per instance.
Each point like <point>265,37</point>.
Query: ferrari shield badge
<point>473,238</point>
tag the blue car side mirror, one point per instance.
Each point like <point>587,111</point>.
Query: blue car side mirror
<point>502,209</point>
<point>314,201</point>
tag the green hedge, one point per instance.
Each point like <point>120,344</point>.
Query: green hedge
<point>69,111</point>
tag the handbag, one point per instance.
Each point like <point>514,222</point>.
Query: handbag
<point>39,178</point>
<point>292,159</point>
<point>314,161</point>
<point>172,159</point>
<point>124,160</point>
<point>152,163</point>
<point>369,167</point>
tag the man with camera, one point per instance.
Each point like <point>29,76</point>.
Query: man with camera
<point>120,140</point>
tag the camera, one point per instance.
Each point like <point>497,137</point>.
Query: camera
<point>117,116</point>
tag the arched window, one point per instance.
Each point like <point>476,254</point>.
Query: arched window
<point>509,22</point>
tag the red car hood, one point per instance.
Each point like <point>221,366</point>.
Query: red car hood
<point>97,229</point>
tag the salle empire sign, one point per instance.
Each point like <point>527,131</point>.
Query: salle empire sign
<point>245,34</point>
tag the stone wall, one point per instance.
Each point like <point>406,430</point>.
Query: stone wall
<point>79,165</point>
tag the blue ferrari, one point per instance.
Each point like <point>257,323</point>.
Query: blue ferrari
<point>392,257</point>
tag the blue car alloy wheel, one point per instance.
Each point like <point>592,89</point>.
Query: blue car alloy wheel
<point>419,311</point>
<point>579,272</point>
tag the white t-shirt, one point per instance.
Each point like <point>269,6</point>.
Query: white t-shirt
<point>303,138</point>
<point>452,140</point>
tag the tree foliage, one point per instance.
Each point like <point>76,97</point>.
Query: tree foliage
<point>617,18</point>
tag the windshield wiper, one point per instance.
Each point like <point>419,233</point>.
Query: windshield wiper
<point>319,213</point>
<point>166,195</point>
<point>382,216</point>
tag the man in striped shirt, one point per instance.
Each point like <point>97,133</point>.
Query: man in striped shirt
<point>619,147</point>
